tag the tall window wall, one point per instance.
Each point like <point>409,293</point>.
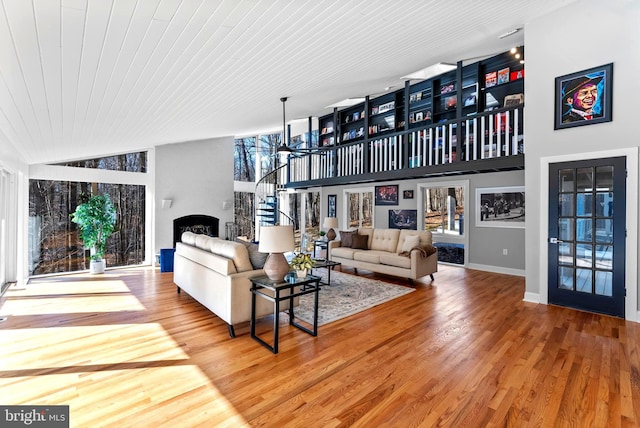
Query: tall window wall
<point>359,205</point>
<point>54,243</point>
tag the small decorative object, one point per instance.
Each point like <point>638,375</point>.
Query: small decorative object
<point>96,219</point>
<point>331,223</point>
<point>322,233</point>
<point>300,263</point>
<point>276,240</point>
<point>584,97</point>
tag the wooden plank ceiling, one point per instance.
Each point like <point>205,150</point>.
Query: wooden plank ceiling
<point>82,78</point>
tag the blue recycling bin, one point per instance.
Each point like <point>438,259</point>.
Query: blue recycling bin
<point>166,259</point>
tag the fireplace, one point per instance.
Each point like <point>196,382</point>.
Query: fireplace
<point>196,223</point>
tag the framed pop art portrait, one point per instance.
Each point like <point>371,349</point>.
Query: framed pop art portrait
<point>584,97</point>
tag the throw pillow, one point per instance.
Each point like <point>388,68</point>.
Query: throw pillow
<point>410,242</point>
<point>346,237</point>
<point>256,258</point>
<point>359,242</point>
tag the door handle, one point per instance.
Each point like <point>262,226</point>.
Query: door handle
<point>555,241</point>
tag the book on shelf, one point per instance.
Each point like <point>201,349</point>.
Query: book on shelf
<point>416,96</point>
<point>491,79</point>
<point>419,116</point>
<point>445,89</point>
<point>356,116</point>
<point>374,110</point>
<point>450,102</point>
<point>383,108</point>
<point>518,74</point>
<point>513,100</point>
<point>503,75</point>
<point>470,101</point>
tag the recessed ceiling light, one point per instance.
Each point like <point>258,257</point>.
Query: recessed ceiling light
<point>347,102</point>
<point>509,33</point>
<point>431,71</point>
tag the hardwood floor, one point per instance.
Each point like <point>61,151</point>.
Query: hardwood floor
<point>124,349</point>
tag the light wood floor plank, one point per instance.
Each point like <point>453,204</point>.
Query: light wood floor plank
<point>124,349</point>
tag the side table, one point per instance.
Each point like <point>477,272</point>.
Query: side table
<point>283,290</point>
<point>322,244</point>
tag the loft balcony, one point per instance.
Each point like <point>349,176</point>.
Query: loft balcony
<point>484,142</point>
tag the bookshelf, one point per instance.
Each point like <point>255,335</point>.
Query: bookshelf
<point>493,83</point>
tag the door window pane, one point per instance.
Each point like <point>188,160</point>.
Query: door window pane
<point>565,278</point>
<point>565,254</point>
<point>584,204</point>
<point>566,180</point>
<point>604,283</point>
<point>583,229</point>
<point>604,231</point>
<point>565,205</point>
<point>604,178</point>
<point>584,255</point>
<point>584,179</point>
<point>565,229</point>
<point>583,280</point>
<point>604,257</point>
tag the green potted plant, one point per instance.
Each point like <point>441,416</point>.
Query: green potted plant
<point>301,262</point>
<point>96,219</point>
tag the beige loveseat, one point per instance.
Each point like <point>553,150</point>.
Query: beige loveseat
<point>390,251</point>
<point>216,273</point>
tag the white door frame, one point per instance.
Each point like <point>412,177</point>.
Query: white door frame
<point>631,262</point>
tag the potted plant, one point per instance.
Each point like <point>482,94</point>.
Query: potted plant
<point>300,263</point>
<point>96,219</point>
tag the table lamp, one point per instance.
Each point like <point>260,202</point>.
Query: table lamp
<point>330,222</point>
<point>276,240</point>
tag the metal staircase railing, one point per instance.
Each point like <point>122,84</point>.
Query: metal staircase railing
<point>267,210</point>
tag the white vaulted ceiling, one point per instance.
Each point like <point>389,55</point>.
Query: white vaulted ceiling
<point>83,78</point>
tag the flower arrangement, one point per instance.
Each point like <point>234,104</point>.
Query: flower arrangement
<point>302,261</point>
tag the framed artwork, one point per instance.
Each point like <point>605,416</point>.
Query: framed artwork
<point>500,207</point>
<point>331,204</point>
<point>403,219</point>
<point>584,97</point>
<point>387,195</point>
<point>407,194</point>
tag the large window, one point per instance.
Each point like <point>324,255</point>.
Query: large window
<point>54,194</point>
<point>359,205</point>
<point>443,212</point>
<point>54,244</point>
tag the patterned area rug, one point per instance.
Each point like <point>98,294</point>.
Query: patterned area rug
<point>347,295</point>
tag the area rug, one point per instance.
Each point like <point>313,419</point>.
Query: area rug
<point>347,295</point>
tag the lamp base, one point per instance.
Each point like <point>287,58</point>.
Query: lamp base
<point>276,267</point>
<point>331,234</point>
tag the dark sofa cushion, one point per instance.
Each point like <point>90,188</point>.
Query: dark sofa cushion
<point>359,242</point>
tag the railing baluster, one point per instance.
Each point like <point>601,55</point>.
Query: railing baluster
<point>516,132</point>
<point>507,135</point>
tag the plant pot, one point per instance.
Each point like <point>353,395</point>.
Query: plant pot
<point>97,266</point>
<point>301,273</point>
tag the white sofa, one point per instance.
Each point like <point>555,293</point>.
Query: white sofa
<point>217,274</point>
<point>389,252</point>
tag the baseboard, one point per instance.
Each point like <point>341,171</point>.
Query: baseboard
<point>497,269</point>
<point>531,297</point>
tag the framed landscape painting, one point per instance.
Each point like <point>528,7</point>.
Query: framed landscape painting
<point>500,207</point>
<point>584,97</point>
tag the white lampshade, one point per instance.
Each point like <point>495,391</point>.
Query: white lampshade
<point>330,222</point>
<point>276,239</point>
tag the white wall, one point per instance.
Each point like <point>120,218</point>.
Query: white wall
<point>197,176</point>
<point>585,34</point>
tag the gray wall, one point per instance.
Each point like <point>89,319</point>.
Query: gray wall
<point>198,177</point>
<point>485,247</point>
<point>553,48</point>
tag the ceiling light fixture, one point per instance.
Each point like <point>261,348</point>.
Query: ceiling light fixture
<point>429,72</point>
<point>509,33</point>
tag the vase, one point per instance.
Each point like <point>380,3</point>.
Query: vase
<point>97,266</point>
<point>301,273</point>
